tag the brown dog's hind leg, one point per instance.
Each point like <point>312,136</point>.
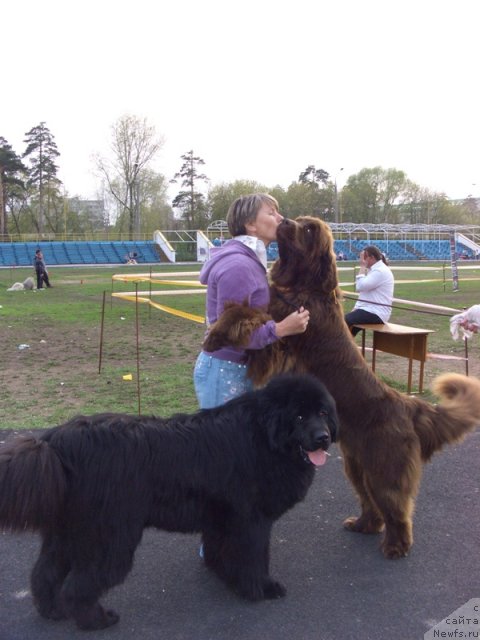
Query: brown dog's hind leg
<point>394,494</point>
<point>386,499</point>
<point>395,503</point>
<point>398,510</point>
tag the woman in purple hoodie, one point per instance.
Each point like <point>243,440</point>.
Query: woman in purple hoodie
<point>237,271</point>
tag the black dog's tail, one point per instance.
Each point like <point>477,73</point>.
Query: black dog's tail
<point>32,484</point>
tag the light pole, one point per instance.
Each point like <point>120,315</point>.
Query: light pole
<point>336,207</point>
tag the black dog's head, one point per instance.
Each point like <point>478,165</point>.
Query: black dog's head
<point>300,416</point>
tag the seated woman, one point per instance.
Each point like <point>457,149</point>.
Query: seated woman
<point>375,284</point>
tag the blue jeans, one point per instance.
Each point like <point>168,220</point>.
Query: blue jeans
<point>217,381</point>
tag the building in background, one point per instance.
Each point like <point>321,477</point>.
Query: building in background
<point>91,212</point>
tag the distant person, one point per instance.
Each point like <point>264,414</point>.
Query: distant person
<point>41,270</point>
<point>375,284</point>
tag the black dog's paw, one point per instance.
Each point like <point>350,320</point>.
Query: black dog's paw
<point>267,590</point>
<point>273,589</point>
<point>95,617</point>
<point>50,611</point>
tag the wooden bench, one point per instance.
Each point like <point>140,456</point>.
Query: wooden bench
<point>399,340</point>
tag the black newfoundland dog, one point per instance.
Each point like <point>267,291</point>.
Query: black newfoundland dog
<point>92,485</point>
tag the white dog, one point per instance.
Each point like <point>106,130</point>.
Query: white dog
<point>468,321</point>
<point>27,285</point>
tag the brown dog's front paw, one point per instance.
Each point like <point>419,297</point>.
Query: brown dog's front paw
<point>214,341</point>
<point>363,525</point>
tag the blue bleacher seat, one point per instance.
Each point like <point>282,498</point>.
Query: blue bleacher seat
<point>110,252</point>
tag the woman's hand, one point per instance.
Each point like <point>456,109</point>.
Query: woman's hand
<point>363,262</point>
<point>296,322</point>
<point>469,326</point>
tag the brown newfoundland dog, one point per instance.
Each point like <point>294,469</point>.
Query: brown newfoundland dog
<point>385,436</point>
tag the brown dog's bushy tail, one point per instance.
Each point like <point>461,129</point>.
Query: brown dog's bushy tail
<point>32,484</point>
<point>456,415</point>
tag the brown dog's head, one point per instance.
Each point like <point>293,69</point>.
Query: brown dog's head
<point>306,256</point>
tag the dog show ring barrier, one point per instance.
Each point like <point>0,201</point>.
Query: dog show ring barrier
<point>396,339</point>
<point>145,297</point>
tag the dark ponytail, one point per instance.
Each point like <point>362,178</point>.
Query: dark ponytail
<point>375,252</point>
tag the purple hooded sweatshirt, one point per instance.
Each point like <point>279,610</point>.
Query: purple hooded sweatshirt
<point>235,274</point>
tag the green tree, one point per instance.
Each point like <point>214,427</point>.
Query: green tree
<point>471,210</point>
<point>442,211</point>
<point>41,154</point>
<point>312,175</point>
<point>373,195</point>
<point>190,201</point>
<point>312,195</point>
<point>155,212</point>
<point>414,208</point>
<point>12,186</point>
<point>134,145</point>
<point>221,196</point>
<point>307,199</point>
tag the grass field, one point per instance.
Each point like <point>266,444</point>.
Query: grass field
<point>57,375</point>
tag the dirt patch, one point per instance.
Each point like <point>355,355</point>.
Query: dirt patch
<point>57,375</point>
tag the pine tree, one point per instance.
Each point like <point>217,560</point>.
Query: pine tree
<point>190,201</point>
<point>42,153</point>
<point>313,176</point>
<point>11,170</point>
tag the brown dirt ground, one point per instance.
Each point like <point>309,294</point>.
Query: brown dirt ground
<point>57,376</point>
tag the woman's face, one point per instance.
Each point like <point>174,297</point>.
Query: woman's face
<point>264,227</point>
<point>369,260</point>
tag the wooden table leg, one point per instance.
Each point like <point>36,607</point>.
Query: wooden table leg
<point>422,361</point>
<point>410,366</point>
<point>420,383</point>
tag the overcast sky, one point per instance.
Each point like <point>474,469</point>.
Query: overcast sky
<point>259,89</point>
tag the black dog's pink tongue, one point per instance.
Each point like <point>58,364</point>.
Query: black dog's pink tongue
<point>317,457</point>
